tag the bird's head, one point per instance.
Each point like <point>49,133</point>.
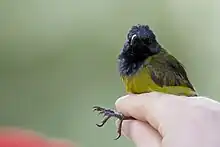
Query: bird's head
<point>141,42</point>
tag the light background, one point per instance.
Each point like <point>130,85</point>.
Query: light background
<point>58,59</point>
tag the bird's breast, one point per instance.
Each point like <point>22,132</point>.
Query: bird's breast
<point>140,82</point>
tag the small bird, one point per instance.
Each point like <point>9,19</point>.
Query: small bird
<point>145,66</point>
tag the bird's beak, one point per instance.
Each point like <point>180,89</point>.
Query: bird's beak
<point>133,38</point>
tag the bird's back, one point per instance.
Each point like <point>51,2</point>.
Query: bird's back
<point>161,72</point>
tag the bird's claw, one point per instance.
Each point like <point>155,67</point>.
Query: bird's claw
<point>97,108</point>
<point>108,113</point>
<point>119,135</point>
<point>103,121</point>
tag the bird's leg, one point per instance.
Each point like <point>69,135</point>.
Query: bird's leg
<point>108,113</point>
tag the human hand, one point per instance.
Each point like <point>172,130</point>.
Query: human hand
<point>170,121</point>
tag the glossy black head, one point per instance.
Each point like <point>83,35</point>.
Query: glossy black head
<point>142,39</point>
<point>140,44</point>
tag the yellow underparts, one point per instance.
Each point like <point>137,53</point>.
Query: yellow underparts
<point>141,82</point>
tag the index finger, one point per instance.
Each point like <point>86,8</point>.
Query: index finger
<point>155,108</point>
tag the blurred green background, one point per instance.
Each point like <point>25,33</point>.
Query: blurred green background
<point>58,59</point>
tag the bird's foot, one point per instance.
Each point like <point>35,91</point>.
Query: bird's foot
<point>109,113</point>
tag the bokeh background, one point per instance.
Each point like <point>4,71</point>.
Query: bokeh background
<point>59,58</point>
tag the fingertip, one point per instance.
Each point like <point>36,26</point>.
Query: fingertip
<point>132,129</point>
<point>128,127</point>
<point>141,133</point>
<point>119,100</point>
<point>123,103</point>
<point>122,98</point>
<point>133,105</point>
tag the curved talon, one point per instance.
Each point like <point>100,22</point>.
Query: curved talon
<point>97,108</point>
<point>103,121</point>
<point>119,129</point>
<point>107,114</point>
<point>119,135</point>
<point>101,112</point>
<point>100,125</point>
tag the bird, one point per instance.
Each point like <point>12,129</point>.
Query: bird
<point>145,66</point>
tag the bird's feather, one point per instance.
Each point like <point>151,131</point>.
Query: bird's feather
<point>163,73</point>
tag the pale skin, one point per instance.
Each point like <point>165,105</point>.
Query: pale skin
<point>170,121</point>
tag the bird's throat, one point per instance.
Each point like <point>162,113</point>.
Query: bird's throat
<point>129,64</point>
<point>132,59</point>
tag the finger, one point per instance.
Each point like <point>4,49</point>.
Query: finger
<point>141,133</point>
<point>155,108</point>
<point>205,102</point>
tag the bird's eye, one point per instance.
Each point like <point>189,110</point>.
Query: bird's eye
<point>147,40</point>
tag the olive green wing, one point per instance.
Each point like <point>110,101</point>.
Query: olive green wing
<point>166,70</point>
